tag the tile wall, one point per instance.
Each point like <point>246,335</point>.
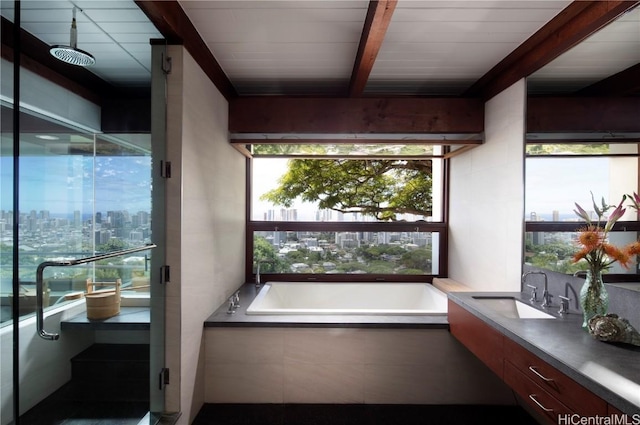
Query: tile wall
<point>345,365</point>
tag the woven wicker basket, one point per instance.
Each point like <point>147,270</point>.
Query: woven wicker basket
<point>103,303</point>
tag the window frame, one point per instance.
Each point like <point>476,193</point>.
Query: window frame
<point>576,226</point>
<point>440,227</point>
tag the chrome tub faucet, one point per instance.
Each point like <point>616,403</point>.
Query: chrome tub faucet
<point>258,271</point>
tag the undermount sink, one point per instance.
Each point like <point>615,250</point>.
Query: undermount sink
<point>512,308</point>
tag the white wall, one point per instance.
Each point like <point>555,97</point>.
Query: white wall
<point>205,224</point>
<point>487,199</point>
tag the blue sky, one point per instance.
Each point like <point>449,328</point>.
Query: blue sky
<point>63,184</point>
<point>557,183</point>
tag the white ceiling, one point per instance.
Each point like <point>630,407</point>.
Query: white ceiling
<point>116,33</point>
<point>443,47</point>
<point>309,46</point>
<point>270,46</point>
<point>612,49</point>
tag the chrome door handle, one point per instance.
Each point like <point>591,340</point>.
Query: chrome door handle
<point>39,286</point>
<point>40,302</point>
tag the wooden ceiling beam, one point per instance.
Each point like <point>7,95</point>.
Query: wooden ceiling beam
<point>173,23</point>
<point>298,115</point>
<point>575,23</point>
<point>624,83</point>
<point>583,114</point>
<point>375,28</point>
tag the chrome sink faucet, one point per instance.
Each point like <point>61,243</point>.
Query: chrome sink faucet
<point>546,296</point>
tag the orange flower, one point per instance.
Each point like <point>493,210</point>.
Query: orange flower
<point>633,249</point>
<point>591,237</point>
<point>580,255</point>
<point>616,254</point>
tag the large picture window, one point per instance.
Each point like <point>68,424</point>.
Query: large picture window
<point>328,218</point>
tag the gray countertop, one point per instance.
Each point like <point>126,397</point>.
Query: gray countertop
<point>248,292</point>
<point>129,318</point>
<point>611,371</point>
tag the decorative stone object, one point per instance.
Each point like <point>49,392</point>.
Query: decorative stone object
<point>611,328</point>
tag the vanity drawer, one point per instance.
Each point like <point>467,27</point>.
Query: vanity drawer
<point>553,381</point>
<point>540,400</point>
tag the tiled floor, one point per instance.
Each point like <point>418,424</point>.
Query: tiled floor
<point>305,414</point>
<point>59,412</point>
<point>109,386</point>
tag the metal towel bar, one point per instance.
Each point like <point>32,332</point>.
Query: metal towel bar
<point>39,278</point>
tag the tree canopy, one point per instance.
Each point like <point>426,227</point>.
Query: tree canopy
<point>379,188</point>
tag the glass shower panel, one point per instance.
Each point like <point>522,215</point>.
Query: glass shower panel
<point>7,324</point>
<point>6,218</point>
<point>56,183</point>
<point>82,195</point>
<point>122,217</point>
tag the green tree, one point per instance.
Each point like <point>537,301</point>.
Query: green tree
<point>266,254</point>
<point>112,245</point>
<point>378,188</point>
<point>417,259</point>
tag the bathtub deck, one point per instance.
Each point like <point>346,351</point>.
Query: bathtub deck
<point>248,292</point>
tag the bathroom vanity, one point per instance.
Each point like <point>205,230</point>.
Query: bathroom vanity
<point>554,365</point>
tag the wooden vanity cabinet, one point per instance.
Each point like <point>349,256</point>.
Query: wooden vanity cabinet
<point>539,400</point>
<point>543,387</point>
<point>481,339</point>
<point>550,380</point>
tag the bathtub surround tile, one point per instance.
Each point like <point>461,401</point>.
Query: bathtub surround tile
<point>324,346</point>
<point>256,383</point>
<point>244,345</point>
<point>382,346</point>
<point>345,365</point>
<point>406,384</point>
<point>323,383</point>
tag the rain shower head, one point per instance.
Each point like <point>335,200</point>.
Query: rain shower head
<point>71,54</point>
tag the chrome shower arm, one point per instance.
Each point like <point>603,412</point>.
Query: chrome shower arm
<point>39,282</point>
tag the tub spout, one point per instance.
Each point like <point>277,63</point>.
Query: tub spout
<point>258,283</point>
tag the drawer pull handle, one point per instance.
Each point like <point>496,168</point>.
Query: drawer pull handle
<point>533,398</point>
<point>539,375</point>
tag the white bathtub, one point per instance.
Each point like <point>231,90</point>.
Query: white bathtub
<point>375,298</point>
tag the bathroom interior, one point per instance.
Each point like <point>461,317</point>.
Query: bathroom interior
<point>155,152</point>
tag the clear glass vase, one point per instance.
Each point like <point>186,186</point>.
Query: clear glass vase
<point>594,298</point>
